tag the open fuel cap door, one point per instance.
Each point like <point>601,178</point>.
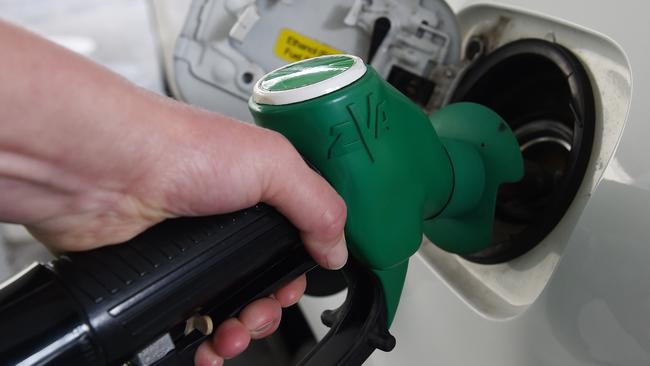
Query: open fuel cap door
<point>226,46</point>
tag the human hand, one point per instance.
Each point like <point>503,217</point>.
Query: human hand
<point>87,159</point>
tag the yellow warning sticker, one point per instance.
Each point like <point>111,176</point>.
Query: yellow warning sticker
<point>293,46</point>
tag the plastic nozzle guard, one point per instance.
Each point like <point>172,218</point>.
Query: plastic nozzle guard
<point>384,157</point>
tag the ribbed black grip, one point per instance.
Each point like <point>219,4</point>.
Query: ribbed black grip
<point>135,292</point>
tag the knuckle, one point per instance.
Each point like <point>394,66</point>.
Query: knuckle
<point>333,219</point>
<point>280,142</point>
<point>287,153</point>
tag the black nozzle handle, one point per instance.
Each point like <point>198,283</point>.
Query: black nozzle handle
<point>118,300</point>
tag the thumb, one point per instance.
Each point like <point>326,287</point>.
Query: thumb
<point>311,204</point>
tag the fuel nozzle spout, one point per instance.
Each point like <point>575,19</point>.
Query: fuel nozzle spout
<point>484,154</point>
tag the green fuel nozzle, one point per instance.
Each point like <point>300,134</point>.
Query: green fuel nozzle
<point>401,173</point>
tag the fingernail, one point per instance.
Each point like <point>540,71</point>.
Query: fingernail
<point>217,361</point>
<point>261,329</point>
<point>338,255</point>
<point>206,356</point>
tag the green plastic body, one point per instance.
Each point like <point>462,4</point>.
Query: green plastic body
<point>384,157</point>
